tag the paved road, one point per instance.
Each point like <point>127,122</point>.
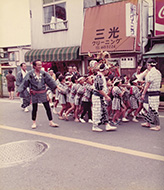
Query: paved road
<point>77,158</point>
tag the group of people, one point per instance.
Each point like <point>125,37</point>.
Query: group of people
<point>109,99</point>
<point>98,98</point>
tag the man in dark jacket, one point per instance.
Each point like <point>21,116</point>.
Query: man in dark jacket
<point>25,95</point>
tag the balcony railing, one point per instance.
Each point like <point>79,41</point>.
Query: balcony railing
<point>4,60</point>
<point>56,26</point>
<point>4,57</point>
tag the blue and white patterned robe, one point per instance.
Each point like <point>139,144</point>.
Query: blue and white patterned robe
<point>38,84</point>
<point>99,105</point>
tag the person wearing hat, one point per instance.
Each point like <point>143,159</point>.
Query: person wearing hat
<point>99,98</point>
<point>152,87</point>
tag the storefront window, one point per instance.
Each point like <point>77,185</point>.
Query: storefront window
<point>54,15</point>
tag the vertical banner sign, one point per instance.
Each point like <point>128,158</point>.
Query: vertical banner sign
<point>131,20</point>
<point>159,17</point>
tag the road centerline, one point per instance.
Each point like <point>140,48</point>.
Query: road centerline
<point>88,143</point>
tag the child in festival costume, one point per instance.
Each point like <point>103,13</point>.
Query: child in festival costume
<point>109,103</point>
<point>68,82</point>
<point>73,92</point>
<point>117,103</point>
<point>56,93</point>
<point>62,96</point>
<point>134,98</point>
<point>78,97</point>
<point>86,100</point>
<point>126,86</point>
<point>50,94</point>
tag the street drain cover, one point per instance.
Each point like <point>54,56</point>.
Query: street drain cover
<point>20,152</point>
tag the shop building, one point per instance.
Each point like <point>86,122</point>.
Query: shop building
<point>120,28</point>
<point>64,31</point>
<point>155,47</point>
<point>56,30</point>
<point>10,59</point>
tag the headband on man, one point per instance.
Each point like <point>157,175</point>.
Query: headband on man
<point>80,78</point>
<point>103,67</point>
<point>151,62</point>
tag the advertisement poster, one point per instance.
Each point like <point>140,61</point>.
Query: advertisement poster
<point>159,17</point>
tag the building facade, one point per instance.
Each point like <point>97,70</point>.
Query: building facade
<point>10,59</point>
<point>119,28</point>
<point>155,46</point>
<point>60,34</point>
<point>56,32</point>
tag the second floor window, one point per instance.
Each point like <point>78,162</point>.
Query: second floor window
<point>12,56</point>
<point>54,15</point>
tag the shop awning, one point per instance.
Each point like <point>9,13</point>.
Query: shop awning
<point>53,54</point>
<point>156,51</point>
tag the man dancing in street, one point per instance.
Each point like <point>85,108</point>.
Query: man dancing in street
<point>37,80</point>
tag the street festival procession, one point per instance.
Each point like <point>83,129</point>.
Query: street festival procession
<point>107,97</point>
<point>110,80</point>
<point>82,95</point>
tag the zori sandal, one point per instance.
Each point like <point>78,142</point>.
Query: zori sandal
<point>155,128</point>
<point>145,125</point>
